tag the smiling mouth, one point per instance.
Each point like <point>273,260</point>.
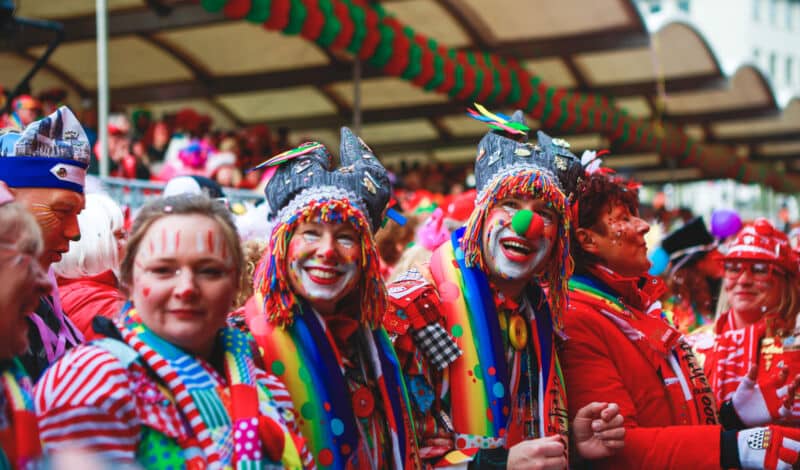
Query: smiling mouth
<point>323,275</point>
<point>186,312</point>
<point>515,250</point>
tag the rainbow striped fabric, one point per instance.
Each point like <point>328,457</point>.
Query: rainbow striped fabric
<point>22,435</point>
<point>302,356</point>
<point>481,380</point>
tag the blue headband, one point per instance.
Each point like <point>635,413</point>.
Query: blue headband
<point>43,172</point>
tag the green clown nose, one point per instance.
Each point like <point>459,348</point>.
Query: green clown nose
<point>527,224</point>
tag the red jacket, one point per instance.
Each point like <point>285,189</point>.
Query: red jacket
<point>84,298</point>
<point>602,364</point>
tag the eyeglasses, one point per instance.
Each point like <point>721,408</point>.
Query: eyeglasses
<point>23,260</point>
<point>758,271</point>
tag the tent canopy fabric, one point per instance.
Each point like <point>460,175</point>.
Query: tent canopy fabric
<point>241,73</point>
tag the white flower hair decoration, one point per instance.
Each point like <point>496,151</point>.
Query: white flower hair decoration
<point>591,162</point>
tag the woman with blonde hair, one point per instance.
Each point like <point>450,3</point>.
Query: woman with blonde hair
<point>88,273</point>
<point>752,349</point>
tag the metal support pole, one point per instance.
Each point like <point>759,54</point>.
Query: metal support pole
<point>102,84</point>
<point>357,96</point>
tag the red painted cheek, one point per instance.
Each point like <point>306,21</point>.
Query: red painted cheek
<point>145,292</point>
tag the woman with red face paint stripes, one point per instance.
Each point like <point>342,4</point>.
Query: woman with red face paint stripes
<point>169,384</point>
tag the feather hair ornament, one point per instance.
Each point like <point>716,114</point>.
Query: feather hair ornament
<point>290,154</point>
<point>497,121</point>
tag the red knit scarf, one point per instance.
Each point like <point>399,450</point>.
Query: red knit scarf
<point>690,395</point>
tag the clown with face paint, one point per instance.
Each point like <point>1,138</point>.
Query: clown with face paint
<point>45,167</point>
<point>475,330</point>
<point>318,305</point>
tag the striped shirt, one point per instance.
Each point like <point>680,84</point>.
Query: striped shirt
<point>90,400</point>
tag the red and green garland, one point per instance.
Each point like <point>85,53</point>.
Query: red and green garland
<point>397,50</point>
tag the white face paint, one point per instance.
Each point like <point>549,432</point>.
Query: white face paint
<point>325,282</point>
<point>511,265</point>
<point>511,256</point>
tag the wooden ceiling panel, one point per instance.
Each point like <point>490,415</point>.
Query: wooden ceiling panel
<point>54,9</point>
<point>511,20</point>
<point>636,106</point>
<point>779,148</point>
<point>695,132</point>
<point>787,122</point>
<point>638,160</point>
<point>553,72</point>
<point>399,131</point>
<point>661,176</point>
<point>284,103</point>
<point>131,61</point>
<point>387,91</point>
<point>431,19</point>
<point>15,67</point>
<point>579,143</point>
<point>678,51</point>
<point>242,47</point>
<point>747,88</point>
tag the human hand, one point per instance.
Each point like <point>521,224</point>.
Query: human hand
<point>764,401</point>
<point>436,445</point>
<point>598,431</point>
<point>548,453</point>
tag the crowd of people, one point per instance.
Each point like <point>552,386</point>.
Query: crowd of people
<point>514,325</point>
<point>144,146</point>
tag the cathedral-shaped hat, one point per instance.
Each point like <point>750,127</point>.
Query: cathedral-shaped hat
<point>505,151</point>
<point>52,152</point>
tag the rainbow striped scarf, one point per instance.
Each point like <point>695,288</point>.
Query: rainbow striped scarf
<point>480,380</point>
<point>202,401</point>
<point>22,433</point>
<point>301,354</point>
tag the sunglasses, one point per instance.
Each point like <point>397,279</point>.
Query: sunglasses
<point>758,271</point>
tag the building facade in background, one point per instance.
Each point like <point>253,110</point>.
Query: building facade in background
<point>764,33</point>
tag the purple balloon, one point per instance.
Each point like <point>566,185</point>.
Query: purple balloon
<point>725,222</point>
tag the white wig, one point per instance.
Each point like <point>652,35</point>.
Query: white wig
<point>96,252</point>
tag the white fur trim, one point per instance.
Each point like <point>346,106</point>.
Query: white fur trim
<point>322,192</point>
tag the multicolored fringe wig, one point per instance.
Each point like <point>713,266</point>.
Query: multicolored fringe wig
<point>279,298</point>
<point>527,182</point>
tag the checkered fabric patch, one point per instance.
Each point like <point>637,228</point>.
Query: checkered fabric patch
<point>437,345</point>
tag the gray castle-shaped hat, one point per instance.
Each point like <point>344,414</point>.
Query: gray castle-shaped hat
<point>505,151</point>
<point>306,173</point>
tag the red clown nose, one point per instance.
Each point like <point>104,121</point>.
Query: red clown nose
<point>527,224</point>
